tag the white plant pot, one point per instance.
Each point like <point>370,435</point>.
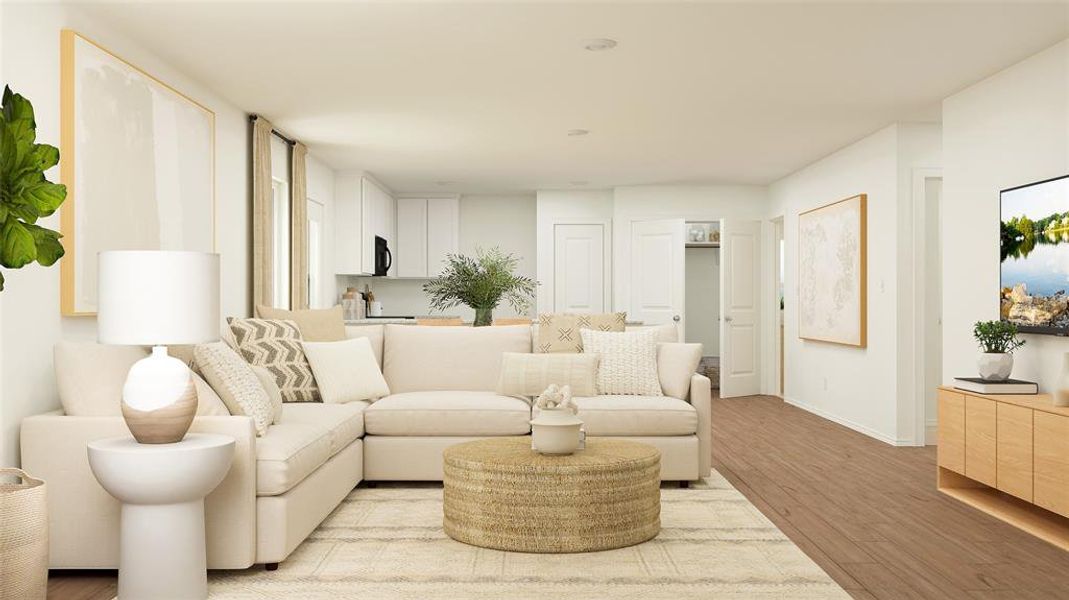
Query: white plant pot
<point>555,431</point>
<point>995,366</point>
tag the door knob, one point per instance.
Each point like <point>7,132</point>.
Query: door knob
<point>728,319</point>
<point>675,318</point>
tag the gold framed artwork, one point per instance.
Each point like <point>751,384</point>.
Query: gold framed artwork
<point>832,272</point>
<point>138,160</point>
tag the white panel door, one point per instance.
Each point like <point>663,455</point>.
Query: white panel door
<point>579,268</point>
<point>658,272</point>
<point>411,246</point>
<point>443,232</point>
<point>740,308</point>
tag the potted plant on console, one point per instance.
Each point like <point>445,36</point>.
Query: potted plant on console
<point>481,283</point>
<point>998,340</point>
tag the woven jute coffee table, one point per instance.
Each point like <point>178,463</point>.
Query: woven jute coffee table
<point>500,494</point>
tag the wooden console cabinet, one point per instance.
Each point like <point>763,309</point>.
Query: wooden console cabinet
<point>1009,457</point>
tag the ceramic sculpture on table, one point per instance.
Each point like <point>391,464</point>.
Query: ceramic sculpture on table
<point>556,428</point>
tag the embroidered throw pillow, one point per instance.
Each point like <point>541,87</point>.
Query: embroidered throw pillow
<point>628,361</point>
<point>530,374</point>
<point>233,379</point>
<point>276,345</point>
<point>560,332</point>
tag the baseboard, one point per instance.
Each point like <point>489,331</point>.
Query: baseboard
<point>872,433</point>
<point>931,432</point>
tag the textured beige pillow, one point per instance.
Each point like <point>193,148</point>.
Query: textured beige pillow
<point>628,361</point>
<point>236,383</point>
<point>346,371</point>
<point>531,374</point>
<point>676,363</point>
<point>267,380</point>
<point>316,325</point>
<point>277,346</point>
<point>560,332</point>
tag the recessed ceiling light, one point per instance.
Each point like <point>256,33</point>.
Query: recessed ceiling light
<point>577,132</point>
<point>599,44</point>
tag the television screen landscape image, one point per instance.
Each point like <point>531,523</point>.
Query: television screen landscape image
<point>1034,241</point>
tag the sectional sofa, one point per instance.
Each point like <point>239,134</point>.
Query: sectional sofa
<point>283,484</point>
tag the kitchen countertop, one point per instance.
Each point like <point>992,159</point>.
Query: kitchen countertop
<point>412,320</point>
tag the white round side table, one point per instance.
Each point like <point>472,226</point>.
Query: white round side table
<point>162,489</point>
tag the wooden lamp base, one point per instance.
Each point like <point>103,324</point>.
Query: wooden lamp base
<point>159,399</point>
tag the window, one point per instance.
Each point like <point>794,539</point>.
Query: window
<point>281,242</point>
<point>315,253</point>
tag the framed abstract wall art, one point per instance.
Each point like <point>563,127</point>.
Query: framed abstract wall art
<point>134,150</point>
<point>832,300</point>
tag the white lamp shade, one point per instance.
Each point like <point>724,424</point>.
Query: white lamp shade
<point>150,297</point>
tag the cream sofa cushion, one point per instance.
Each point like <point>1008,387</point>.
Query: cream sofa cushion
<point>628,361</point>
<point>373,333</point>
<point>525,374</point>
<point>636,416</point>
<point>90,377</point>
<point>417,359</point>
<point>676,363</point>
<point>346,371</point>
<point>344,423</point>
<point>447,413</point>
<point>316,324</point>
<point>308,435</point>
<point>288,453</point>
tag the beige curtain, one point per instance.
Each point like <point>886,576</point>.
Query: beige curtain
<point>299,228</point>
<point>262,218</point>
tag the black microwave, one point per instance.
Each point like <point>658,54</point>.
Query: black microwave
<point>383,258</point>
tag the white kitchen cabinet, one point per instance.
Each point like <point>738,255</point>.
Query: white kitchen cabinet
<point>411,252</point>
<point>363,209</point>
<point>348,225</point>
<point>443,232</point>
<point>379,220</point>
<point>427,230</point>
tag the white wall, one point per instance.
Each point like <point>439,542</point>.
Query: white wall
<point>691,203</point>
<point>485,221</point>
<point>321,189</point>
<point>588,207</point>
<point>703,299</point>
<point>29,42</point>
<point>854,386</point>
<point>1008,130</point>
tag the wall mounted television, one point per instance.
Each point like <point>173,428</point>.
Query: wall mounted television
<point>1034,242</point>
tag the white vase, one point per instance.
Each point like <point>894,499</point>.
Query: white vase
<point>555,431</point>
<point>995,366</point>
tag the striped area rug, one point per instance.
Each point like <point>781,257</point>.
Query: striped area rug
<point>387,543</point>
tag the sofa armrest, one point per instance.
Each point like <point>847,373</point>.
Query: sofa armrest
<point>701,398</point>
<point>84,519</point>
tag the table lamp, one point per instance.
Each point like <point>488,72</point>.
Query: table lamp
<point>154,298</point>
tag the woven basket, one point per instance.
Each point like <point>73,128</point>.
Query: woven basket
<point>23,537</point>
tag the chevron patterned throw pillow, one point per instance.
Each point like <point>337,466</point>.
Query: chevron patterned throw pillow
<point>276,346</point>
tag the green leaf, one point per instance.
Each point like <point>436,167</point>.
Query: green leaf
<point>44,156</point>
<point>17,247</point>
<point>1,282</point>
<point>44,196</point>
<point>49,249</point>
<point>17,108</point>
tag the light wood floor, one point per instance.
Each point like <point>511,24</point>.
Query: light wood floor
<point>866,512</point>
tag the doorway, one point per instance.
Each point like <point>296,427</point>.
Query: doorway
<point>928,300</point>
<point>702,312</point>
<point>779,259</point>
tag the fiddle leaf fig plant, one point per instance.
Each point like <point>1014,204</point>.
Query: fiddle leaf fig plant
<point>26,195</point>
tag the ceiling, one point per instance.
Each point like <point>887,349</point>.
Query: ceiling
<point>479,97</point>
